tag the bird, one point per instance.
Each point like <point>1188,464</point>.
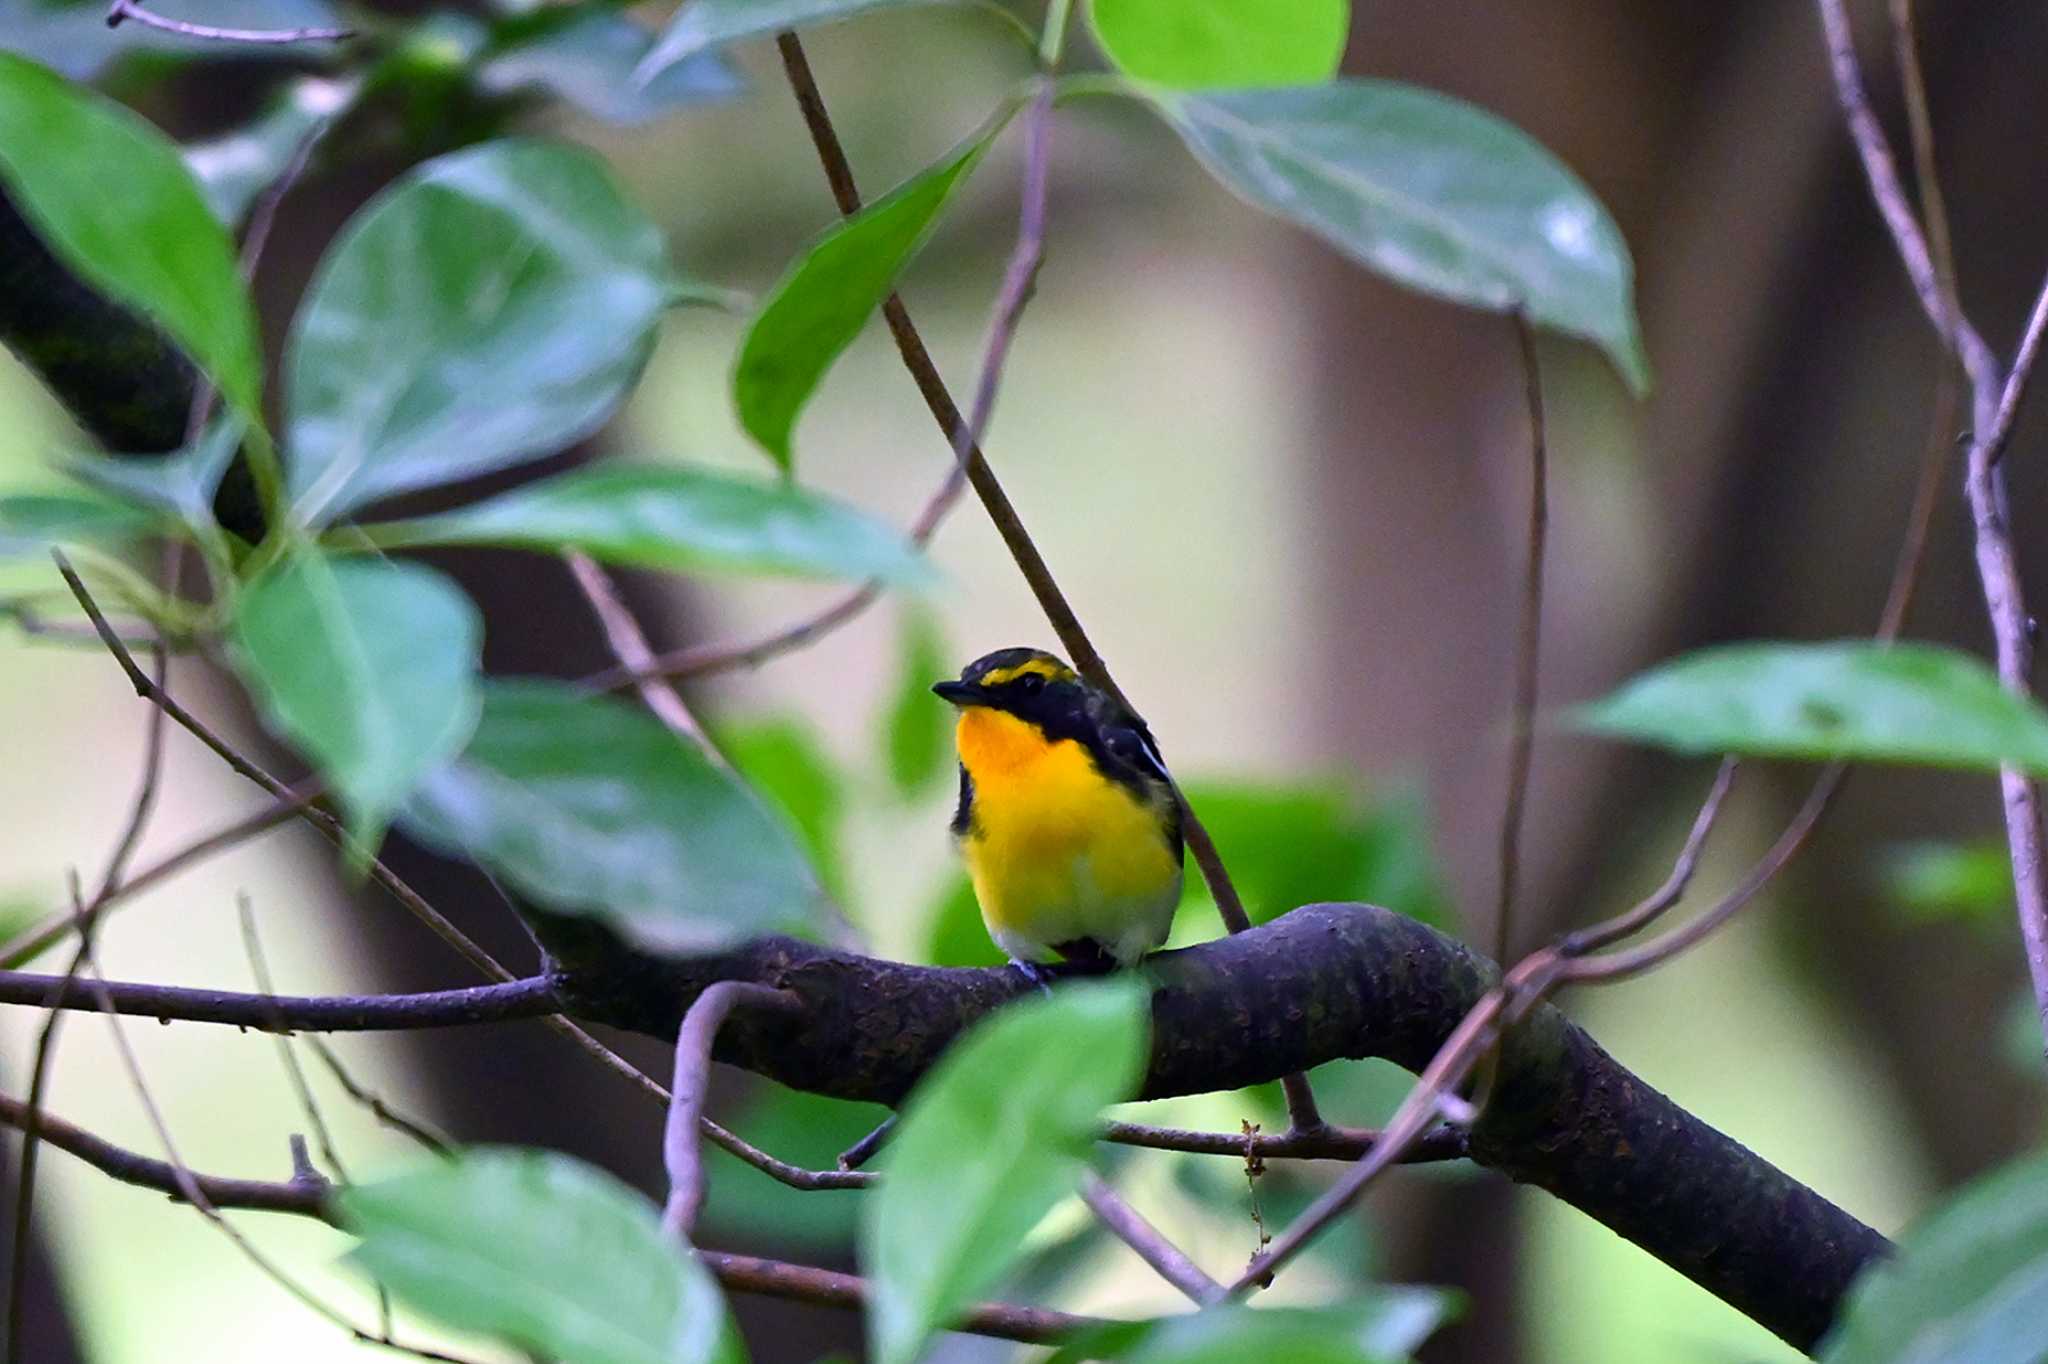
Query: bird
<point>1068,820</point>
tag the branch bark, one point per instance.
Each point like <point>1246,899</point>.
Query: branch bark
<point>1321,983</point>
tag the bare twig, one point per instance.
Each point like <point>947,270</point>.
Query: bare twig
<point>862,1151</point>
<point>54,927</point>
<point>325,820</point>
<point>308,1197</point>
<point>1994,404</point>
<point>252,946</point>
<point>1150,1244</point>
<point>530,997</point>
<point>31,1128</point>
<point>1528,636</point>
<point>120,10</point>
<point>965,436</point>
<point>191,1192</point>
<point>679,1150</point>
<point>630,647</point>
<point>1652,906</point>
<point>425,1135</point>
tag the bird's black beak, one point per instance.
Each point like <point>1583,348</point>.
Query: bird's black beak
<point>959,693</point>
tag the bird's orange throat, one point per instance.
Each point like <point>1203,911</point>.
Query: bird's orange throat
<point>994,744</point>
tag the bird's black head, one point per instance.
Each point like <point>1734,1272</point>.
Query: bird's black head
<point>1030,684</point>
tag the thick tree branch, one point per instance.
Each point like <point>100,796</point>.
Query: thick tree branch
<point>1321,983</point>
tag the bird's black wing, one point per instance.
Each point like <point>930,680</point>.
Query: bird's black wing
<point>965,813</point>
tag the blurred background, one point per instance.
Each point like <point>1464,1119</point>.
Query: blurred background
<point>1287,500</point>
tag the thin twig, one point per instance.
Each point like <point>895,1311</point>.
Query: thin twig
<point>1528,637</point>
<point>31,1129</point>
<point>420,1132</point>
<point>1652,906</point>
<point>191,1191</point>
<point>629,645</point>
<point>1994,405</point>
<point>323,1137</point>
<point>325,820</point>
<point>1149,1243</point>
<point>966,436</point>
<point>498,1002</point>
<point>862,1151</point>
<point>131,9</point>
<point>308,1197</point>
<point>55,927</point>
<point>680,1153</point>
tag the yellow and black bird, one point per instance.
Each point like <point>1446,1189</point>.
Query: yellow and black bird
<point>1067,818</point>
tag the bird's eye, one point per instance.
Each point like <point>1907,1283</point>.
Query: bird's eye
<point>1030,684</point>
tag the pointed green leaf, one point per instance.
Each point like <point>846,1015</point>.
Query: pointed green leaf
<point>826,298</point>
<point>489,308</point>
<point>1430,192</point>
<point>1967,1284</point>
<point>181,484</point>
<point>368,666</point>
<point>917,733</point>
<point>988,1142</point>
<point>32,522</point>
<point>1224,44</point>
<point>237,166</point>
<point>153,245</point>
<point>1379,1324</point>
<point>589,58</point>
<point>1907,703</point>
<point>702,24</point>
<point>590,806</point>
<point>543,1252</point>
<point>678,518</point>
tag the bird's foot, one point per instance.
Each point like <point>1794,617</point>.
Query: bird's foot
<point>1037,975</point>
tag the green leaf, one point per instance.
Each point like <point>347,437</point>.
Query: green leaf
<point>917,733</point>
<point>1381,1324</point>
<point>32,522</point>
<point>1966,1286</point>
<point>702,24</point>
<point>153,246</point>
<point>589,806</point>
<point>787,763</point>
<point>589,56</point>
<point>543,1252</point>
<point>236,167</point>
<point>181,484</point>
<point>1289,845</point>
<point>1432,193</point>
<point>489,308</point>
<point>682,519</point>
<point>988,1142</point>
<point>1908,703</point>
<point>821,304</point>
<point>1224,44</point>
<point>368,666</point>
<point>1935,881</point>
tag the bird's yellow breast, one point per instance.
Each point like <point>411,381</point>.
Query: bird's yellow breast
<point>1057,851</point>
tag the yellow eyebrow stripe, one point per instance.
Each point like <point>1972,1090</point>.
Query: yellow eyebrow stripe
<point>1052,672</point>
